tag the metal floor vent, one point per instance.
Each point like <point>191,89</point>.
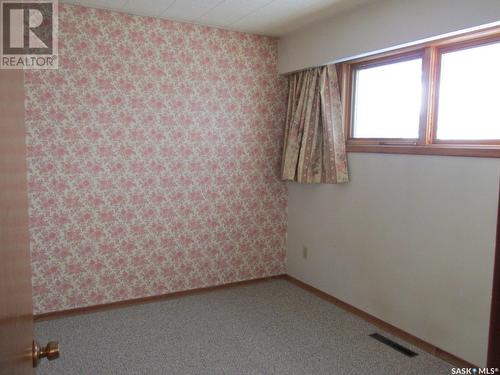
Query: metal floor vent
<point>384,340</point>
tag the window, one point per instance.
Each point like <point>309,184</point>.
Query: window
<point>437,98</point>
<point>468,108</point>
<point>387,100</point>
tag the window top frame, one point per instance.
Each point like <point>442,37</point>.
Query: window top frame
<point>426,143</point>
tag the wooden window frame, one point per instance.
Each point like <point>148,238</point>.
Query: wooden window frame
<point>426,143</point>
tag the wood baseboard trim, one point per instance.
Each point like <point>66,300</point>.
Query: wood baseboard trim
<point>143,300</point>
<point>419,343</point>
<point>413,340</point>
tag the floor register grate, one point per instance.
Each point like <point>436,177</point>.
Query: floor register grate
<point>384,340</point>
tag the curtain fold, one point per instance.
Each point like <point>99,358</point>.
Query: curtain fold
<point>314,145</point>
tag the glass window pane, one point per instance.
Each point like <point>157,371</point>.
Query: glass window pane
<point>469,106</point>
<point>387,100</point>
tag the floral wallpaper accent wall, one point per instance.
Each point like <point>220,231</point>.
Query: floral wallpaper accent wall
<point>154,159</point>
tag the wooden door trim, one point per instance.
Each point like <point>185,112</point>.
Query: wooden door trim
<point>16,305</point>
<point>494,333</point>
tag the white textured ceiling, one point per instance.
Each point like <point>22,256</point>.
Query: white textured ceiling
<point>268,17</point>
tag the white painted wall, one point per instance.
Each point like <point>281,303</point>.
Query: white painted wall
<point>381,25</point>
<point>409,240</point>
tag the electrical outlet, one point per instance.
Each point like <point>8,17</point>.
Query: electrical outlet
<point>305,252</point>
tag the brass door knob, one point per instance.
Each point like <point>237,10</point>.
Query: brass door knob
<point>50,351</point>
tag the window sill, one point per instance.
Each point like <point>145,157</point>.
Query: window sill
<point>444,150</point>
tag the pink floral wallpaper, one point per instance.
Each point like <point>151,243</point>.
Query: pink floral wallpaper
<point>154,155</point>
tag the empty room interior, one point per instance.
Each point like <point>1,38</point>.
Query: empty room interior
<point>249,187</point>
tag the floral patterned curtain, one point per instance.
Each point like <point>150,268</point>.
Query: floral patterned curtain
<point>314,148</point>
